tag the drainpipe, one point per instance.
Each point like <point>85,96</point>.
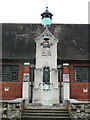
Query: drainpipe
<point>59,77</point>
<point>32,67</point>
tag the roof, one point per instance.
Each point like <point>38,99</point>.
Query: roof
<point>18,40</point>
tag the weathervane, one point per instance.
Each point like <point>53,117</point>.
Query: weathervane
<point>46,3</point>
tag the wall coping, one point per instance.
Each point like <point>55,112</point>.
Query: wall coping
<point>18,100</point>
<point>26,63</point>
<point>78,102</point>
<point>65,64</point>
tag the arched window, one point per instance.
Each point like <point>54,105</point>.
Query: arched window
<point>46,75</point>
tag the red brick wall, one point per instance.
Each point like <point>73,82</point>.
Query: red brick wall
<point>26,69</point>
<point>15,88</point>
<point>76,89</point>
<point>66,69</point>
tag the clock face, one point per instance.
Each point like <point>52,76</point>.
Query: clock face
<point>46,51</point>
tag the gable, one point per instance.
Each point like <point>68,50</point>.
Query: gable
<point>46,33</point>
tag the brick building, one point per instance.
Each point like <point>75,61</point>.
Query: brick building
<point>30,50</point>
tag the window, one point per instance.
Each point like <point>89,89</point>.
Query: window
<point>0,72</point>
<point>82,73</point>
<point>9,73</point>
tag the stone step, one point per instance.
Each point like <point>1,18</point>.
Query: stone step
<point>45,111</point>
<point>40,106</point>
<point>46,114</point>
<point>46,117</point>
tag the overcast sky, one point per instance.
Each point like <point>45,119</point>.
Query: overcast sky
<point>28,11</point>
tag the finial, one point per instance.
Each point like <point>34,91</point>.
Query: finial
<point>46,8</point>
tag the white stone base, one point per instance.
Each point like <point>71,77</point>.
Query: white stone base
<point>26,91</point>
<point>46,97</point>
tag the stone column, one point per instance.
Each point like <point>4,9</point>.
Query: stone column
<point>26,82</point>
<point>66,82</point>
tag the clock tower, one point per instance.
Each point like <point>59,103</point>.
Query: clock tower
<point>46,90</point>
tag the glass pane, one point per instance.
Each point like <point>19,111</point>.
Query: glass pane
<point>82,73</point>
<point>10,73</point>
<point>0,72</point>
<point>77,74</point>
<point>89,74</point>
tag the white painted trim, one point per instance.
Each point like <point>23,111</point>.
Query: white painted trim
<point>66,91</point>
<point>65,64</point>
<point>85,90</point>
<point>26,90</point>
<point>26,63</point>
<point>66,87</point>
<point>6,88</point>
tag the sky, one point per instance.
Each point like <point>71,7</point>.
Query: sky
<point>29,11</point>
